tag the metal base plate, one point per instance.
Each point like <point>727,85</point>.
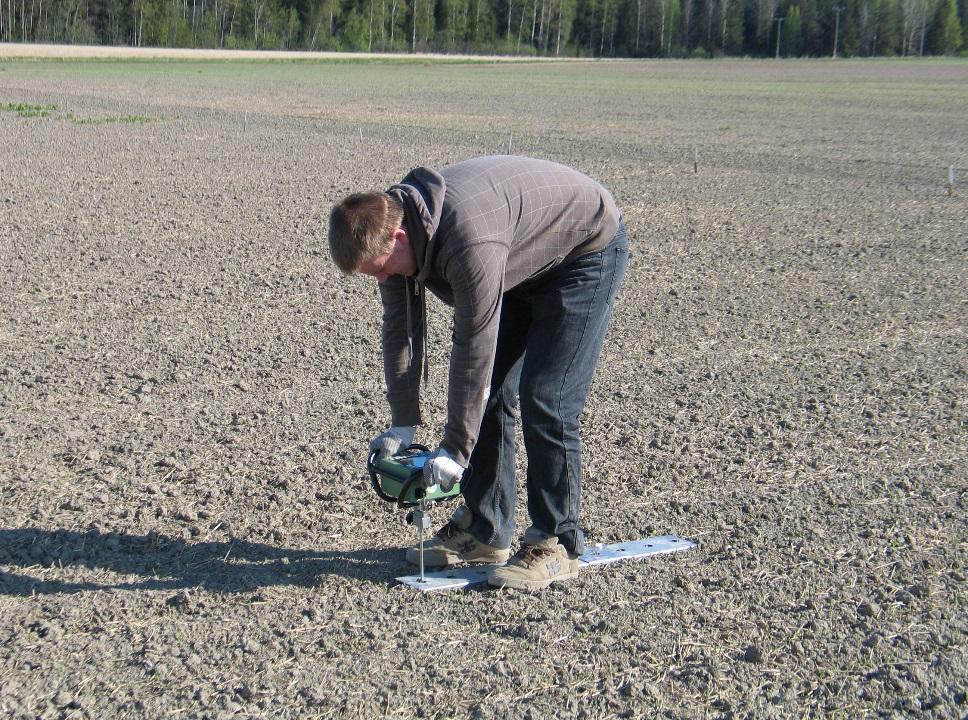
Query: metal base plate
<point>466,576</point>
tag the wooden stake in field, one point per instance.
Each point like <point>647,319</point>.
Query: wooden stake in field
<point>695,160</point>
<point>951,180</point>
<point>509,143</point>
<point>361,138</point>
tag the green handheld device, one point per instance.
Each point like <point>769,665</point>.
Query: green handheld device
<point>399,479</point>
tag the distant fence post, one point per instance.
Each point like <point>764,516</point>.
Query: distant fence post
<point>951,180</point>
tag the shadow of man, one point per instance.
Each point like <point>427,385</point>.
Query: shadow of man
<point>167,563</point>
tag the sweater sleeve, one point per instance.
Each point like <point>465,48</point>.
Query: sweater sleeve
<point>476,276</point>
<point>402,351</point>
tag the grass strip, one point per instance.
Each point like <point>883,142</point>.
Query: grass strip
<point>136,119</point>
<point>26,110</point>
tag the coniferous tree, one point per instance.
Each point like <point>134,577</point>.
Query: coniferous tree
<point>792,32</point>
<point>731,26</point>
<point>963,13</point>
<point>705,21</point>
<point>583,21</point>
<point>355,31</point>
<point>811,41</point>
<point>887,28</point>
<point>867,26</point>
<point>946,29</point>
<point>849,32</point>
<point>686,25</point>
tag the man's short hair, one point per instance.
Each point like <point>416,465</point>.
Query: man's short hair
<point>361,228</point>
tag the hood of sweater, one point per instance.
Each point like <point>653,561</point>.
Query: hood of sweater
<point>422,194</point>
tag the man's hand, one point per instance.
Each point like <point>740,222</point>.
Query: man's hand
<point>392,441</point>
<point>441,469</point>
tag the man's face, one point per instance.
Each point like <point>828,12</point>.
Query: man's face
<point>399,261</point>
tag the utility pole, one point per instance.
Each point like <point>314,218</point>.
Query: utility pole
<point>837,10</point>
<point>779,25</point>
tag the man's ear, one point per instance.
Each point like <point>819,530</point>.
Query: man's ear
<point>400,236</point>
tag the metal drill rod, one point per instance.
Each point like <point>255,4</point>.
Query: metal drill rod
<point>423,504</point>
<point>421,519</point>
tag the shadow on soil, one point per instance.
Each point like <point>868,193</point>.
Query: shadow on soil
<point>173,564</point>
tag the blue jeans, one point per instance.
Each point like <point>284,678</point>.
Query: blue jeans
<point>548,344</point>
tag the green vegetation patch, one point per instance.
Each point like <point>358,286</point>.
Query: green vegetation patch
<point>135,119</point>
<point>26,110</point>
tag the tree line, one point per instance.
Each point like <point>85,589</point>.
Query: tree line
<point>599,28</point>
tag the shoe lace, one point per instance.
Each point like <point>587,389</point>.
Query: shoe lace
<point>528,554</point>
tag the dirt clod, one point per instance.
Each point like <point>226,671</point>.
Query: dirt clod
<point>752,654</point>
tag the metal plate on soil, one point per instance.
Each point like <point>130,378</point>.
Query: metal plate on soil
<point>604,554</point>
<point>453,579</point>
<point>466,576</point>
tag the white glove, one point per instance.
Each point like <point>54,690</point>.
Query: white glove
<point>441,469</point>
<point>392,441</point>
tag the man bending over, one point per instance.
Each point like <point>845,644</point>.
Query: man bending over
<point>530,254</point>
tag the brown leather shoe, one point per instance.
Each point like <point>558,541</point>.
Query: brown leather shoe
<point>452,545</point>
<point>539,562</point>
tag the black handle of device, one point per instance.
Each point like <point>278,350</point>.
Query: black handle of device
<point>371,467</point>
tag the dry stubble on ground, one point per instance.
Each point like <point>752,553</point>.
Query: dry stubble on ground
<point>187,387</point>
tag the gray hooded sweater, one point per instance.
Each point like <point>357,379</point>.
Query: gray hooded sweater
<point>478,229</point>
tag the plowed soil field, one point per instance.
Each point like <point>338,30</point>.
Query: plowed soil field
<point>187,388</point>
